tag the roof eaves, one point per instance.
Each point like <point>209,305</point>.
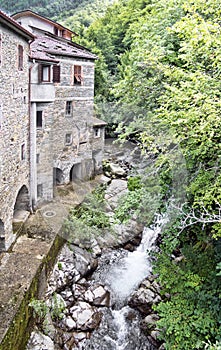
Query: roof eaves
<point>17,15</point>
<point>11,23</point>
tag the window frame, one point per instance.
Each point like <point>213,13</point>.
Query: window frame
<point>97,132</point>
<point>68,143</point>
<point>23,152</point>
<point>39,117</point>
<point>78,78</point>
<point>20,57</point>
<point>68,108</point>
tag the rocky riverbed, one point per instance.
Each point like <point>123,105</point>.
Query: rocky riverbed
<point>101,291</point>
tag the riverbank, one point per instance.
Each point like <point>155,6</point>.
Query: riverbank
<point>24,270</point>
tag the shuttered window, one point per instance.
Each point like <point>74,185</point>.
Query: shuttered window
<point>56,74</point>
<point>20,57</point>
<point>78,75</point>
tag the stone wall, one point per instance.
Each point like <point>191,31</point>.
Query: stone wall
<point>14,131</point>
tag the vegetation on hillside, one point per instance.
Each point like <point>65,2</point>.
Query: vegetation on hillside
<point>158,80</point>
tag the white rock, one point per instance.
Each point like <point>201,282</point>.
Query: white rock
<point>39,341</point>
<point>70,323</point>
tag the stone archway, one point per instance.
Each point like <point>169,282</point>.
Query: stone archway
<point>76,172</point>
<point>21,209</point>
<point>22,200</point>
<point>2,236</point>
<point>58,176</point>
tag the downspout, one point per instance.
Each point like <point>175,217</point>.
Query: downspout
<point>32,143</point>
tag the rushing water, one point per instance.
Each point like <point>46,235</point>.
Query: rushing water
<point>122,272</point>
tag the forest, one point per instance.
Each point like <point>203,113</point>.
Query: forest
<point>158,84</point>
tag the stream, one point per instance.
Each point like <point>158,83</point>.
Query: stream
<point>122,271</point>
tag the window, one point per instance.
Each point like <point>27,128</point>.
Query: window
<point>23,151</point>
<point>77,75</point>
<point>39,119</point>
<point>56,74</point>
<point>97,132</point>
<point>20,57</point>
<point>68,139</point>
<point>39,190</point>
<point>44,73</point>
<point>55,30</point>
<point>37,158</point>
<point>68,108</point>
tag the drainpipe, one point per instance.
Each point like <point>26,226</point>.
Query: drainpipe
<point>32,142</point>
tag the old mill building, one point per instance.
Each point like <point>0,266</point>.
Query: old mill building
<point>48,132</point>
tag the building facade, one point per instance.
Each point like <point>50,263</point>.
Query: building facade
<point>49,135</point>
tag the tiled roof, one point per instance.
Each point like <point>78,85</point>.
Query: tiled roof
<point>10,22</point>
<point>47,48</point>
<point>98,122</point>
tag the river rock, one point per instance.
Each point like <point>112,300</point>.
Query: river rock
<point>98,296</point>
<point>116,170</point>
<point>142,299</point>
<point>116,189</point>
<point>87,317</point>
<point>39,341</point>
<point>149,322</point>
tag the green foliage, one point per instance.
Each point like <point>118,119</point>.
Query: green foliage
<point>128,205</point>
<point>40,311</point>
<point>57,308</point>
<point>134,183</point>
<point>90,218</point>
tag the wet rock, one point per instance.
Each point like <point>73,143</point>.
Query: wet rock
<point>87,317</point>
<point>149,322</point>
<point>142,299</point>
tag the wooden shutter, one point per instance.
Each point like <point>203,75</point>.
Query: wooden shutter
<point>56,74</point>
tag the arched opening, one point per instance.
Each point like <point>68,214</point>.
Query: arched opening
<point>2,235</point>
<point>75,172</point>
<point>21,209</point>
<point>58,177</point>
<point>22,200</point>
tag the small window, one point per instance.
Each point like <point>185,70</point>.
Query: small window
<point>20,57</point>
<point>68,108</point>
<point>37,158</point>
<point>55,30</point>
<point>77,75</point>
<point>39,119</point>
<point>97,132</point>
<point>68,139</point>
<point>44,73</point>
<point>39,190</point>
<point>23,151</point>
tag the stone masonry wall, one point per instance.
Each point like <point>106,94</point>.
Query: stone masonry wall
<point>14,130</point>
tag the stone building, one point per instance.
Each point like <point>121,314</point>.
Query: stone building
<point>14,124</point>
<point>49,135</point>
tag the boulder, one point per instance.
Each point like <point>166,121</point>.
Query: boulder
<point>116,170</point>
<point>87,317</point>
<point>98,296</point>
<point>39,341</point>
<point>142,299</point>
